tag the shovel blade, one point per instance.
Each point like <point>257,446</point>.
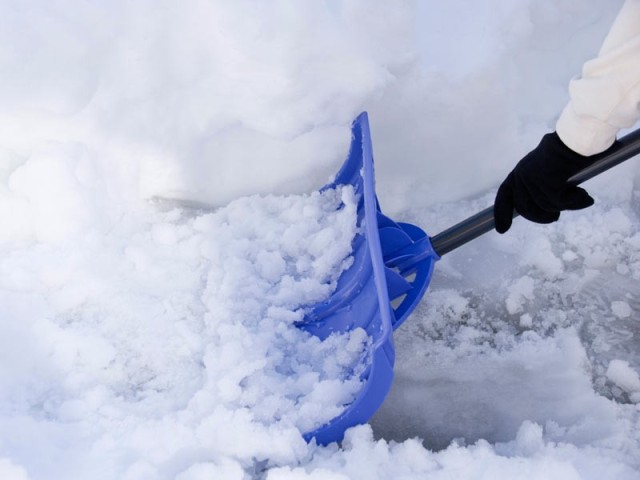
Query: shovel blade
<point>391,269</point>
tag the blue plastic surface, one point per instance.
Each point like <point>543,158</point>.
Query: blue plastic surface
<point>392,267</point>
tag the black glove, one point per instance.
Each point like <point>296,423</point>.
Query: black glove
<point>537,187</point>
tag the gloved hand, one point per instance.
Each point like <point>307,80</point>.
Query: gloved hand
<point>537,187</point>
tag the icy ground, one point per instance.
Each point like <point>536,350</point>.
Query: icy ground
<point>540,325</point>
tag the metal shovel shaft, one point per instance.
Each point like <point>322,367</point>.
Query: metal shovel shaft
<point>483,222</point>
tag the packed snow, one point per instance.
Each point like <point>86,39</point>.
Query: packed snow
<point>162,233</point>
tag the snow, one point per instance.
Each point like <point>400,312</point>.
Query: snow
<point>162,233</point>
<point>181,326</point>
<point>621,309</point>
<point>620,373</point>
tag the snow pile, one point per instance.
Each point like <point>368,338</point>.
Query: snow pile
<point>180,98</point>
<point>269,259</point>
<point>174,333</point>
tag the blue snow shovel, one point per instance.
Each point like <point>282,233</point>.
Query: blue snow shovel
<point>392,266</point>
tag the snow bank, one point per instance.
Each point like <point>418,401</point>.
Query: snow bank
<point>179,100</point>
<point>208,101</point>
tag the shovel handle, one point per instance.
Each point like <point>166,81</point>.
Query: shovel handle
<point>483,222</point>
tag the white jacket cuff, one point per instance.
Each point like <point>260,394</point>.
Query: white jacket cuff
<point>584,134</point>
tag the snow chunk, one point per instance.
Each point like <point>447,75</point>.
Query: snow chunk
<point>539,254</point>
<point>569,256</point>
<point>519,292</point>
<point>621,309</point>
<point>526,321</point>
<point>625,377</point>
<point>529,439</point>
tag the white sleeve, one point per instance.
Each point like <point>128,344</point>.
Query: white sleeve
<point>606,97</point>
